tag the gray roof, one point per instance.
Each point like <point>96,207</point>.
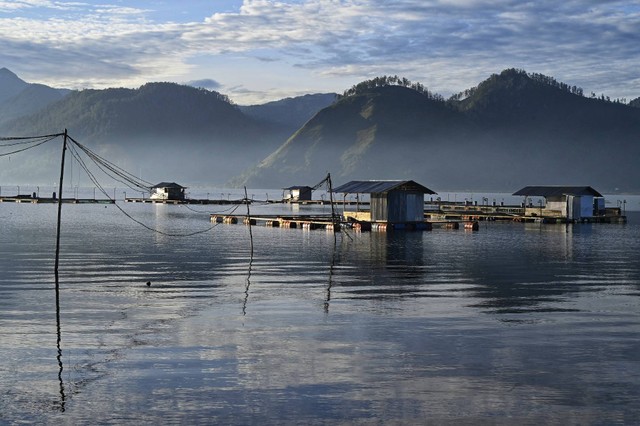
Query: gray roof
<point>297,187</point>
<point>379,186</point>
<point>556,191</point>
<point>168,185</point>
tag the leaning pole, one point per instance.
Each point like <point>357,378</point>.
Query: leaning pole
<point>64,149</point>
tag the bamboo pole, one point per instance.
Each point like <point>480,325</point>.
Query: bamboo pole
<point>246,199</point>
<point>64,149</point>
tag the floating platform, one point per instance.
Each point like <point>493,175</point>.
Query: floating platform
<point>309,222</point>
<point>42,200</point>
<point>241,201</point>
<point>468,212</point>
<point>325,222</point>
<point>185,201</point>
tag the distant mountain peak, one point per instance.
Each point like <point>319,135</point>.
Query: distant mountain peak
<point>10,84</point>
<point>8,76</point>
<point>7,71</point>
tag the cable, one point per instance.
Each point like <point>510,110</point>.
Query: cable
<point>92,177</point>
<point>115,172</point>
<point>36,141</point>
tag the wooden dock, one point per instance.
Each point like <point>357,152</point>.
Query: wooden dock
<point>43,200</point>
<point>325,222</point>
<point>206,201</point>
<point>308,222</point>
<point>469,212</point>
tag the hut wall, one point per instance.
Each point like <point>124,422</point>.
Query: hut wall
<point>379,209</point>
<point>164,193</point>
<point>397,207</point>
<point>586,206</point>
<point>556,205</point>
<point>301,194</point>
<point>415,207</point>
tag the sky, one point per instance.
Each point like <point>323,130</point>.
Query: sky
<point>255,51</point>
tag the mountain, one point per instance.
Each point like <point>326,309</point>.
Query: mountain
<point>10,84</point>
<point>19,98</point>
<point>513,129</point>
<point>290,112</point>
<point>165,131</point>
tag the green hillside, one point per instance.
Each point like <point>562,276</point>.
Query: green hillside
<point>513,129</point>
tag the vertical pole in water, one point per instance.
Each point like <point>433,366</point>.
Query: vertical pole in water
<point>246,199</point>
<point>64,149</point>
<point>333,212</point>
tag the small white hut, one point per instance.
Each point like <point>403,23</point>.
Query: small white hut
<point>567,202</point>
<point>298,193</point>
<point>167,191</point>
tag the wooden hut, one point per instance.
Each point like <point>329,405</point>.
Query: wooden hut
<point>566,202</point>
<point>167,191</point>
<point>298,193</point>
<point>391,201</point>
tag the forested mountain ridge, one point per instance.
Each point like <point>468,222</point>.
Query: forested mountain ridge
<point>514,129</point>
<point>172,131</point>
<point>290,112</point>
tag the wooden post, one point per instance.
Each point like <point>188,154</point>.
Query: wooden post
<point>333,212</point>
<point>64,149</point>
<point>246,199</point>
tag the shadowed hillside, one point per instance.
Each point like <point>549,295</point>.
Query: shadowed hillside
<point>514,129</point>
<point>19,98</point>
<point>170,131</point>
<point>290,112</point>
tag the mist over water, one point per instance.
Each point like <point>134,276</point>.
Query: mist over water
<point>515,322</point>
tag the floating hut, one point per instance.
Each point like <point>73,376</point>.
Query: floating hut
<point>167,191</point>
<point>563,202</point>
<point>298,193</point>
<point>391,201</point>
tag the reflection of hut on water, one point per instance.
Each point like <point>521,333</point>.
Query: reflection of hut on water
<point>391,201</point>
<point>167,191</point>
<point>566,202</point>
<point>298,193</point>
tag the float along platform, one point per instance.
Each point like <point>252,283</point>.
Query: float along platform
<point>329,223</point>
<point>48,200</point>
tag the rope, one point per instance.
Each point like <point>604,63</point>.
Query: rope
<point>115,172</point>
<point>93,179</point>
<point>35,141</point>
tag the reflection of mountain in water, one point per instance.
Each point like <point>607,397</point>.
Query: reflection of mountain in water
<point>501,269</point>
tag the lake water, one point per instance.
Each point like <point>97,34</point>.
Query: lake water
<point>515,323</point>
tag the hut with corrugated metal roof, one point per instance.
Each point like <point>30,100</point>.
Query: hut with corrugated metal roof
<point>566,202</point>
<point>298,193</point>
<point>168,191</point>
<point>391,201</point>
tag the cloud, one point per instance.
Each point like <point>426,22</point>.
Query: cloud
<point>206,83</point>
<point>448,45</point>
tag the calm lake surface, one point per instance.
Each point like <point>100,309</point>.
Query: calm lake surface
<point>511,324</point>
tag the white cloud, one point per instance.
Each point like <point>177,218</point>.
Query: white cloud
<point>446,44</point>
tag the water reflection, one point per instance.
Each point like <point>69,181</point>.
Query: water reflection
<point>511,322</point>
<point>63,397</point>
<point>378,265</point>
<point>538,272</point>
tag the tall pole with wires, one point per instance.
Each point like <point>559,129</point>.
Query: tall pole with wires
<point>64,149</point>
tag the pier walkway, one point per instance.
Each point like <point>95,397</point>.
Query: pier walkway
<point>43,200</point>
